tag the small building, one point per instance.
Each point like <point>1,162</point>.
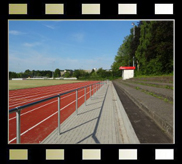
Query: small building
<point>127,72</point>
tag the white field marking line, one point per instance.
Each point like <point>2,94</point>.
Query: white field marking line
<point>40,106</point>
<point>43,120</point>
<point>48,88</point>
<point>37,98</point>
<point>40,97</point>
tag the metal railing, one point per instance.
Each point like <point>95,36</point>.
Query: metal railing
<point>19,108</point>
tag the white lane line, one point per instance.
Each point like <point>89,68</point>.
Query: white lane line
<point>39,107</point>
<point>76,85</point>
<point>47,90</point>
<point>33,110</point>
<point>38,98</point>
<point>39,89</point>
<point>43,120</point>
<point>18,104</point>
<point>39,93</point>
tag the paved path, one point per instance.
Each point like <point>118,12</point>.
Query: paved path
<point>101,121</point>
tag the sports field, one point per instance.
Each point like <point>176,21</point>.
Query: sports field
<point>22,84</point>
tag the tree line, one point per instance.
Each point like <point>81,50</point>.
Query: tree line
<point>151,47</point>
<point>78,73</point>
<point>28,73</point>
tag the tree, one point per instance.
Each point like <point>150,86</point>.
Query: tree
<point>67,74</point>
<point>101,73</point>
<point>57,72</point>
<point>92,71</point>
<point>155,52</point>
<point>12,75</point>
<point>27,73</point>
<point>77,73</point>
<point>152,48</point>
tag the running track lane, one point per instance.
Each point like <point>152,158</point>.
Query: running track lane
<point>40,120</point>
<point>30,95</point>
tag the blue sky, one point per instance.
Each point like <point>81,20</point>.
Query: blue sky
<point>65,44</point>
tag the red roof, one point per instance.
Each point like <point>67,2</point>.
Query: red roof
<point>123,68</point>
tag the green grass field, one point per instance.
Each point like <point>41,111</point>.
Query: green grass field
<point>21,84</point>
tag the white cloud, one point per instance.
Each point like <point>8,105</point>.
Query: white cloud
<point>38,61</point>
<point>31,44</point>
<point>79,37</point>
<point>14,32</point>
<point>51,27</point>
<point>32,59</point>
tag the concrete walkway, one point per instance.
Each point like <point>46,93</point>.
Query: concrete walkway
<point>101,121</point>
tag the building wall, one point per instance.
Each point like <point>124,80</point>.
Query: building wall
<point>127,74</point>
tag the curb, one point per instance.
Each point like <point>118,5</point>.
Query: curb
<point>156,118</point>
<point>130,135</point>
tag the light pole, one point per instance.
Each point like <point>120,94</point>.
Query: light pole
<point>53,69</point>
<point>133,24</point>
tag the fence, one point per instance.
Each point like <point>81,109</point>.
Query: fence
<point>19,108</point>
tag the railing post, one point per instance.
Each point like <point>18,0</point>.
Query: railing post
<point>18,140</point>
<point>59,117</point>
<point>95,88</point>
<point>90,91</point>
<point>77,101</point>
<point>85,95</point>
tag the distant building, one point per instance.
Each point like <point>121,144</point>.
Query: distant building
<point>89,71</point>
<point>62,72</point>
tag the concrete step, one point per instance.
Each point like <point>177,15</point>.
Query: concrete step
<point>161,112</point>
<point>161,79</point>
<point>161,92</point>
<point>152,83</point>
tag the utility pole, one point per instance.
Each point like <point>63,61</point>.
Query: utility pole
<point>53,69</point>
<point>133,38</point>
<point>133,24</point>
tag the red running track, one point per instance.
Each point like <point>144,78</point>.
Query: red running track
<point>38,121</point>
